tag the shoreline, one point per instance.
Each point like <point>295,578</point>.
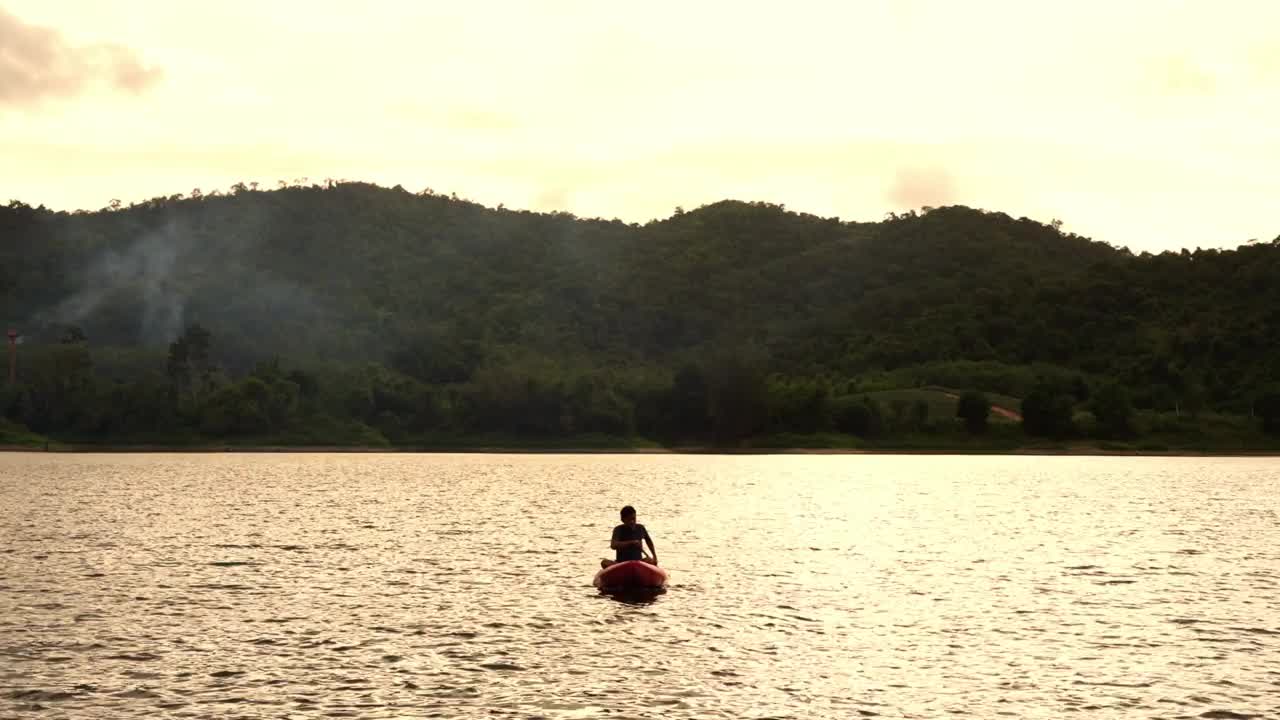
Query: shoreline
<point>1083,451</point>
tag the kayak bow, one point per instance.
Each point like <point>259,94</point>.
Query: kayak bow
<point>631,575</point>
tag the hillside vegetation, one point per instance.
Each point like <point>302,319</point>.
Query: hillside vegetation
<point>357,314</point>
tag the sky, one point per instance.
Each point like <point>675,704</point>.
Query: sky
<point>1151,125</point>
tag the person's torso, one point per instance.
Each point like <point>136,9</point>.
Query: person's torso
<point>630,532</point>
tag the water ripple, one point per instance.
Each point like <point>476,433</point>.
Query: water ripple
<point>380,586</point>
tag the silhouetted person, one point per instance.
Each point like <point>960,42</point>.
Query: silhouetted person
<point>629,539</point>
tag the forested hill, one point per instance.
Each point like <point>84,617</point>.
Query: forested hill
<point>439,289</point>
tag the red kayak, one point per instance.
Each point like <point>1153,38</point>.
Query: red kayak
<point>631,575</point>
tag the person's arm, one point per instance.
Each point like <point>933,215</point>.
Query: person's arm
<point>652,551</point>
<point>616,544</point>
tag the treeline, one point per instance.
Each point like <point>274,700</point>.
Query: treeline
<point>728,399</point>
<point>419,313</point>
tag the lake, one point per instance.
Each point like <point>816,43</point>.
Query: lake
<point>381,586</point>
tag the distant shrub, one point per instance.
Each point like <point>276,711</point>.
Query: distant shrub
<point>857,416</point>
<point>1047,412</point>
<point>1113,410</point>
<point>974,408</point>
<point>1085,422</point>
<point>1268,409</point>
<point>1165,422</point>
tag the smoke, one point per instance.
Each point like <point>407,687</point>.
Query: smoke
<point>145,271</point>
<point>913,188</point>
<point>37,63</point>
<point>148,289</point>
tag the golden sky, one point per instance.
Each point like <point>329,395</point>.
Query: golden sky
<point>1153,125</point>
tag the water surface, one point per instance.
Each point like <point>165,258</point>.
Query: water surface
<point>380,586</point>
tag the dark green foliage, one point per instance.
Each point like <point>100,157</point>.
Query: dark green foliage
<point>1113,411</point>
<point>190,367</point>
<point>974,408</point>
<point>920,415</point>
<point>1046,412</point>
<point>799,405</point>
<point>737,395</point>
<point>58,390</point>
<point>401,317</point>
<point>308,386</point>
<point>137,408</point>
<point>1268,409</point>
<point>860,416</point>
<point>235,410</point>
<point>1194,398</point>
<point>685,407</point>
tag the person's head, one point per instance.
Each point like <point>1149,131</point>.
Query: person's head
<point>629,515</point>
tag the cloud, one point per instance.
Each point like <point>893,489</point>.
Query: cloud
<point>37,63</point>
<point>913,188</point>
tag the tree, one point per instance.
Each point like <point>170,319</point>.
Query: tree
<point>188,366</point>
<point>799,406</point>
<point>356,275</point>
<point>737,402</point>
<point>1267,407</point>
<point>686,404</point>
<point>974,408</point>
<point>1046,412</point>
<point>57,387</point>
<point>1194,398</point>
<point>860,416</point>
<point>72,334</point>
<point>594,406</point>
<point>308,386</point>
<point>236,409</point>
<point>1113,410</point>
<point>920,415</point>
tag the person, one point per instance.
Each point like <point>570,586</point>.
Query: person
<point>629,539</point>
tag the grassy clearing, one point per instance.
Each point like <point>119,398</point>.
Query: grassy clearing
<point>1007,402</point>
<point>941,407</point>
<point>941,403</point>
